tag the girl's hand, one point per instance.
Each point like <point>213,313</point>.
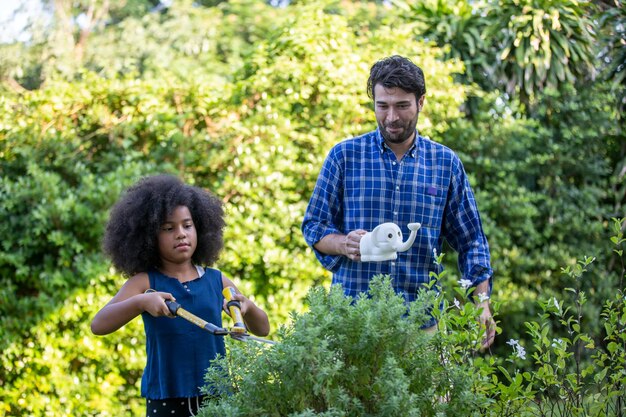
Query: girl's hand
<point>254,318</point>
<point>244,303</point>
<point>154,303</point>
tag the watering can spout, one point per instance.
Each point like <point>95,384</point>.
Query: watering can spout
<point>413,227</point>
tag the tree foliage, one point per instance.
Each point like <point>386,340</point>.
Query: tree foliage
<point>459,28</point>
<point>518,46</point>
<point>545,44</point>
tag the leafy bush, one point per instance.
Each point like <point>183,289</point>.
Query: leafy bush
<point>574,372</point>
<point>367,356</point>
<point>346,356</point>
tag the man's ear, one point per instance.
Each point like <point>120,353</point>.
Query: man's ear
<point>420,103</point>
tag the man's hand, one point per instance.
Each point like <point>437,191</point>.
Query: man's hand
<point>346,245</point>
<point>486,320</point>
<point>352,244</point>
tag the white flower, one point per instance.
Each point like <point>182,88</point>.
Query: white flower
<point>556,303</point>
<point>519,350</point>
<point>465,283</point>
<point>557,342</point>
<point>457,304</point>
<point>482,297</point>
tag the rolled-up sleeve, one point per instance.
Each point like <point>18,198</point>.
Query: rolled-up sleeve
<point>324,212</point>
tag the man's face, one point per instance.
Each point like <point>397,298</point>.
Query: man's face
<point>396,113</point>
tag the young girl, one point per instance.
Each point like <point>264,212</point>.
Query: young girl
<point>159,234</point>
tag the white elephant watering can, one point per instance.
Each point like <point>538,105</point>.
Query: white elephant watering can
<point>385,241</point>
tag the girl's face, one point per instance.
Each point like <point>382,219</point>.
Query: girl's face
<point>177,237</point>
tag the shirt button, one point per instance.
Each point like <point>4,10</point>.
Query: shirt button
<point>393,163</point>
<point>397,187</point>
<point>395,213</point>
<point>393,264</point>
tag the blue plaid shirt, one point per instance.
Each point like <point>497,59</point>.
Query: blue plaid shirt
<point>362,184</point>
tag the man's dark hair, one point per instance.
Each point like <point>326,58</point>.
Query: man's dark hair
<point>131,235</point>
<point>397,71</point>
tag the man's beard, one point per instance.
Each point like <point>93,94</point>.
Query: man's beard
<point>406,133</point>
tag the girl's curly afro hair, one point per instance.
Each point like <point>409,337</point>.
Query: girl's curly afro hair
<point>130,239</point>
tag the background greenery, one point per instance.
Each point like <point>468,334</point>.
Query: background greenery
<point>245,98</point>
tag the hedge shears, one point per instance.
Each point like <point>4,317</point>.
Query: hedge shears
<point>237,332</point>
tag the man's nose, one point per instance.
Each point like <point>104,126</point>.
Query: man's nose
<point>392,115</point>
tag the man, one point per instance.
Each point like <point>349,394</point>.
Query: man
<point>395,175</point>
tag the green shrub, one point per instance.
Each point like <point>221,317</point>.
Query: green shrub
<point>578,373</point>
<point>346,356</point>
<point>368,357</point>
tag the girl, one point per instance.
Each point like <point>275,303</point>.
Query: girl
<point>159,234</point>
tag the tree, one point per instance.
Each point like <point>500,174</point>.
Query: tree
<point>518,46</point>
<point>540,44</point>
<point>456,26</point>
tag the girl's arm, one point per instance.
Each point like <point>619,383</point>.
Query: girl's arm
<point>255,319</point>
<point>129,302</point>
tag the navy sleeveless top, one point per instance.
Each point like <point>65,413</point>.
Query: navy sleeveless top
<point>179,352</point>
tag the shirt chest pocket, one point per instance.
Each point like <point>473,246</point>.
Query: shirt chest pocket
<point>428,205</point>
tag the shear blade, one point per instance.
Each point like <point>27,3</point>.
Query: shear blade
<point>244,337</point>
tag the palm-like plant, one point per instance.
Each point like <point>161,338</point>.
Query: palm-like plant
<point>457,26</point>
<point>518,46</point>
<point>541,43</point>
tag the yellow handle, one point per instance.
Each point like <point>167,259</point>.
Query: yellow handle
<point>235,310</point>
